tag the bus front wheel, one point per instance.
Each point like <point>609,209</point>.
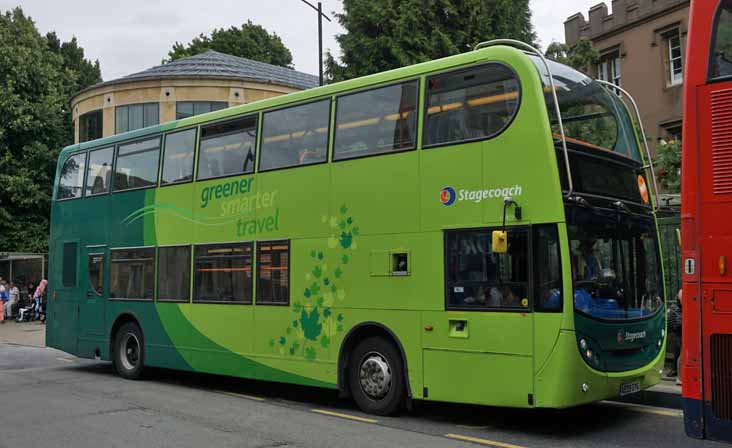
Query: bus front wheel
<point>129,351</point>
<point>376,376</point>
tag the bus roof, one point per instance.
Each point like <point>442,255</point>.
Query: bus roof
<point>304,95</point>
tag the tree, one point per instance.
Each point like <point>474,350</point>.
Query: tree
<point>250,41</point>
<point>668,161</point>
<point>581,56</point>
<point>38,76</point>
<point>386,34</point>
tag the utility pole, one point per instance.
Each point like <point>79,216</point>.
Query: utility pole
<point>319,9</point>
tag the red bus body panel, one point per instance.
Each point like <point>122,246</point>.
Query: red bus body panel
<point>706,225</point>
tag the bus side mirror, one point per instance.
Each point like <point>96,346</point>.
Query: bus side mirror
<point>500,242</point>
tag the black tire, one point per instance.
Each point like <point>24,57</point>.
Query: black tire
<point>128,351</point>
<point>383,389</point>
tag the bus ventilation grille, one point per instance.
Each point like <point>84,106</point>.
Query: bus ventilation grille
<point>722,141</point>
<point>721,360</point>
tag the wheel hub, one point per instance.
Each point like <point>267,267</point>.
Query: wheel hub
<point>130,349</point>
<point>375,376</point>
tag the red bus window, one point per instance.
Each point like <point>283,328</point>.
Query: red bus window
<point>720,64</point>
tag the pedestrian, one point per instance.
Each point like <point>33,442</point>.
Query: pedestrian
<point>674,327</point>
<point>38,297</point>
<point>3,300</point>
<point>14,296</point>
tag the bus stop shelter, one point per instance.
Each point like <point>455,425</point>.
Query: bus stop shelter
<point>22,268</point>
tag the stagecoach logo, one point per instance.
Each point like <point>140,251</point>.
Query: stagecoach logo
<point>449,196</point>
<point>626,336</point>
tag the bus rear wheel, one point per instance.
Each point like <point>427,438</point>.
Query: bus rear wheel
<point>129,351</point>
<point>376,376</point>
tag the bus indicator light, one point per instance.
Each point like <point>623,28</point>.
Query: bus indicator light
<point>643,188</point>
<point>722,265</point>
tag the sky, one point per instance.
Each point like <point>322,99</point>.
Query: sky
<point>131,36</point>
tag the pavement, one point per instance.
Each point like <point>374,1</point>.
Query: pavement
<point>31,334</point>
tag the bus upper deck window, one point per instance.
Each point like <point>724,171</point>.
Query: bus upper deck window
<point>470,104</point>
<point>720,64</point>
<point>227,149</point>
<point>71,181</point>
<point>137,164</point>
<point>99,172</point>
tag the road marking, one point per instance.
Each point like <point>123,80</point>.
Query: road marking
<point>646,409</point>
<point>473,426</point>
<point>346,416</point>
<point>65,359</point>
<point>235,394</point>
<point>481,441</point>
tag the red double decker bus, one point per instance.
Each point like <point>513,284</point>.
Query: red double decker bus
<point>706,222</point>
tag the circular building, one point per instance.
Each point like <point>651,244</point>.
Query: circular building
<point>182,88</point>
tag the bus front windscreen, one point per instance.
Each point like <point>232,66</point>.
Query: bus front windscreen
<point>591,114</point>
<point>616,268</point>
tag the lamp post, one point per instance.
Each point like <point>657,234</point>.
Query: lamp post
<point>319,9</point>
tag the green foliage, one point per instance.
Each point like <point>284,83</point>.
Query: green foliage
<point>581,56</point>
<point>668,163</point>
<point>38,77</point>
<point>385,34</point>
<point>249,41</point>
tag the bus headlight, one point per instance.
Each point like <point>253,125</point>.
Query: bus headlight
<point>663,333</point>
<point>583,344</point>
<point>589,353</point>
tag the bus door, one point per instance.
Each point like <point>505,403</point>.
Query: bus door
<point>95,289</point>
<point>63,302</point>
<point>481,349</point>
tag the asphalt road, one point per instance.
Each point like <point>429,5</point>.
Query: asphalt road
<point>51,399</point>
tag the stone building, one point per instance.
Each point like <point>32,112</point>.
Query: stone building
<point>182,88</point>
<point>642,49</point>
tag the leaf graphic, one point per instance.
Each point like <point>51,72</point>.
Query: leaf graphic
<point>294,323</point>
<point>283,340</point>
<point>312,253</point>
<point>343,209</point>
<point>307,293</point>
<point>342,225</point>
<point>338,272</point>
<point>288,331</point>
<point>326,281</point>
<point>271,342</point>
<point>315,289</point>
<point>344,259</point>
<point>311,325</point>
<point>320,255</point>
<point>355,231</point>
<point>346,240</point>
<point>310,353</point>
<point>340,317</point>
<point>324,341</point>
<point>349,220</point>
<point>317,272</point>
<point>327,312</point>
<point>297,307</point>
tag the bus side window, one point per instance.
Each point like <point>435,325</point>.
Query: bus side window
<point>131,275</point>
<point>68,274</point>
<point>720,64</point>
<point>377,121</point>
<point>71,179</point>
<point>178,156</point>
<point>469,104</point>
<point>295,136</point>
<point>137,164</point>
<point>547,269</point>
<point>227,149</point>
<point>223,273</point>
<point>99,172</point>
<point>273,272</point>
<point>479,278</point>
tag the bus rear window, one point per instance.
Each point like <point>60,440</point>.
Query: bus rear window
<point>376,121</point>
<point>470,104</point>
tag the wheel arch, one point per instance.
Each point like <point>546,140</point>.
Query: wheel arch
<point>357,334</point>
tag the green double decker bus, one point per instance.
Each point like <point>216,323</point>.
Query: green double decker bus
<point>475,229</point>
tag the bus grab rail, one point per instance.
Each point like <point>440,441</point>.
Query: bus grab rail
<point>525,46</point>
<point>610,86</point>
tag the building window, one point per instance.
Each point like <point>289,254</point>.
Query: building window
<point>90,126</point>
<point>673,60</point>
<point>470,104</point>
<point>174,273</point>
<point>185,109</point>
<point>295,136</point>
<point>672,131</point>
<point>223,273</point>
<point>227,149</point>
<point>377,121</point>
<point>137,164</point>
<point>479,278</point>
<point>99,173</point>
<point>132,274</point>
<point>71,180</point>
<point>273,272</point>
<point>608,69</point>
<point>136,116</point>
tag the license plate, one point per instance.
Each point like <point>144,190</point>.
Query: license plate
<point>630,388</point>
